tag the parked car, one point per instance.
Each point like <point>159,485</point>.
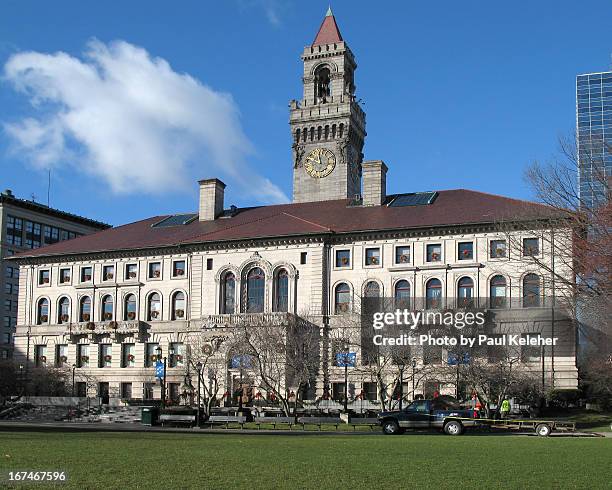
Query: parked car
<point>429,414</point>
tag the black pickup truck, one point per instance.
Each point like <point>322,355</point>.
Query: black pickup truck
<point>428,414</point>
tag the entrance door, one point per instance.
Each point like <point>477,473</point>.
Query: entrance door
<point>242,388</point>
<point>103,393</point>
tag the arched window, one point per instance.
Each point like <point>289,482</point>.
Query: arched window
<point>63,313</point>
<point>371,290</point>
<point>42,314</point>
<point>256,288</point>
<point>333,133</point>
<point>402,294</point>
<point>326,136</point>
<point>85,309</point>
<point>281,301</point>
<point>129,310</point>
<point>312,133</point>
<point>229,294</point>
<point>341,130</point>
<point>319,132</point>
<point>343,298</point>
<point>433,294</point>
<point>322,84</point>
<point>297,135</point>
<point>107,307</point>
<point>178,305</point>
<point>465,292</point>
<point>497,291</point>
<point>531,290</point>
<point>154,307</point>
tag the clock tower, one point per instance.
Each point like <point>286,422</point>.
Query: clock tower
<point>327,125</point>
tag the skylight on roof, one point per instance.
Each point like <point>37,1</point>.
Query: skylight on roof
<point>413,199</point>
<point>175,220</point>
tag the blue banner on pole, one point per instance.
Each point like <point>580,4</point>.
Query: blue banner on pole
<point>159,369</point>
<point>346,359</point>
<point>455,359</point>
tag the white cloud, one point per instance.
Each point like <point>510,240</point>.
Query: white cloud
<point>128,118</point>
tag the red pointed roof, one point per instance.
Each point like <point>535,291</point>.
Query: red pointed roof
<point>328,32</point>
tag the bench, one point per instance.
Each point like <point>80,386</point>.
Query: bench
<point>371,422</point>
<point>319,421</point>
<point>165,418</point>
<point>274,421</point>
<point>226,419</point>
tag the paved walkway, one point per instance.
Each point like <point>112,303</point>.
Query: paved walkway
<point>106,427</point>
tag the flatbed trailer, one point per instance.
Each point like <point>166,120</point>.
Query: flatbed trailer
<point>541,427</point>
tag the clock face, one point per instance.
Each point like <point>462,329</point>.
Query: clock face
<point>320,162</point>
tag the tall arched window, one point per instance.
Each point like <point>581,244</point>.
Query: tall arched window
<point>322,84</point>
<point>129,309</point>
<point>229,294</point>
<point>85,309</point>
<point>154,307</point>
<point>107,307</point>
<point>531,290</point>
<point>343,298</point>
<point>281,301</point>
<point>465,292</point>
<point>42,311</point>
<point>63,313</point>
<point>256,289</point>
<point>433,294</point>
<point>402,294</point>
<point>497,291</point>
<point>178,305</point>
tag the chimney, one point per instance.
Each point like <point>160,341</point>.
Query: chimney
<point>211,199</point>
<point>374,182</point>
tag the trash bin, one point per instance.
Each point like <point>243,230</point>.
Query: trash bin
<point>148,416</point>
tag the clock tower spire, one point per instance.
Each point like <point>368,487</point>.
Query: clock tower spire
<point>327,125</point>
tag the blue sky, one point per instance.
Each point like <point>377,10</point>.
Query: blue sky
<point>457,94</point>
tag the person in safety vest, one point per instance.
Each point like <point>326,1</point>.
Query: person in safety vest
<point>505,408</point>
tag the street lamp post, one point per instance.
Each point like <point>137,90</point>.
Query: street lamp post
<point>163,380</point>
<point>21,378</point>
<point>401,386</point>
<point>414,363</point>
<point>346,387</point>
<point>73,370</point>
<point>199,369</point>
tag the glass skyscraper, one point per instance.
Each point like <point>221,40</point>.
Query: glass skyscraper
<point>594,135</point>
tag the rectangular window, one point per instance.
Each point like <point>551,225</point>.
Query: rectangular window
<point>127,355</point>
<point>108,273</point>
<point>7,321</point>
<point>209,264</point>
<point>81,389</point>
<point>531,351</point>
<point>154,270</point>
<point>14,230</point>
<point>402,254</point>
<point>131,271</point>
<point>531,247</point>
<point>105,356</point>
<point>173,391</point>
<point>44,277</point>
<point>47,235</point>
<point>178,268</point>
<point>83,355</point>
<point>497,249</point>
<point>338,391</point>
<point>7,338</point>
<point>61,355</point>
<point>64,276</point>
<point>86,274</point>
<point>8,272</point>
<point>434,253</point>
<point>63,235</point>
<point>372,256</point>
<point>40,351</point>
<point>147,391</point>
<point>343,258</point>
<point>126,391</point>
<point>177,359</point>
<point>495,353</point>
<point>465,251</point>
<point>303,257</point>
<point>8,288</point>
<point>151,357</point>
<point>370,391</point>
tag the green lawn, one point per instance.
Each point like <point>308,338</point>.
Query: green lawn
<point>174,460</point>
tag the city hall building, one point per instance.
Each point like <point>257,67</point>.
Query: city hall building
<point>104,303</point>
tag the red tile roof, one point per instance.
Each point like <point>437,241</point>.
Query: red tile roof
<point>452,207</point>
<point>328,32</point>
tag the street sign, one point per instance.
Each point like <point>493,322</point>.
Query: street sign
<point>346,359</point>
<point>159,369</point>
<point>455,359</point>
